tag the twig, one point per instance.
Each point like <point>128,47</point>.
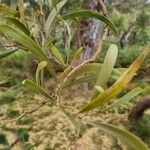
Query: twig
<point>22,115</point>
<point>37,108</point>
<point>25,113</point>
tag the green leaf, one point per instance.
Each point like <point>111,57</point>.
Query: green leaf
<point>93,68</point>
<point>40,67</point>
<point>18,24</point>
<point>76,56</point>
<point>32,85</point>
<point>7,10</point>
<point>7,53</point>
<point>99,89</point>
<point>88,78</point>
<point>85,69</point>
<point>57,54</point>
<point>48,42</point>
<point>93,14</point>
<point>116,73</point>
<point>68,40</point>
<point>109,63</point>
<point>28,43</point>
<point>133,141</point>
<point>125,98</point>
<point>119,85</point>
<point>54,3</point>
<point>53,15</point>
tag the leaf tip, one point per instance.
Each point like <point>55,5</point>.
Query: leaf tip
<point>24,82</point>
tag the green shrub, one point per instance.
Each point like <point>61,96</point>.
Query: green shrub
<point>142,37</point>
<point>11,113</point>
<point>3,139</point>
<point>21,60</point>
<point>7,98</point>
<point>23,134</point>
<point>127,55</point>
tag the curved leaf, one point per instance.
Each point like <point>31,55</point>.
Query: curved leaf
<point>133,141</point>
<point>88,78</point>
<point>119,85</point>
<point>7,53</point>
<point>91,68</point>
<point>76,56</point>
<point>93,14</point>
<point>53,15</point>
<point>32,85</point>
<point>40,67</point>
<point>28,43</point>
<point>109,62</point>
<point>99,89</point>
<point>7,10</point>
<point>48,42</point>
<point>85,69</point>
<point>54,3</point>
<point>18,24</point>
<point>68,40</point>
<point>57,54</point>
<point>125,98</point>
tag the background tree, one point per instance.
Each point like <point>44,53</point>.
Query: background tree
<point>88,31</point>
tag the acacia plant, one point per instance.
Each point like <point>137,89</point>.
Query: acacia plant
<point>16,27</point>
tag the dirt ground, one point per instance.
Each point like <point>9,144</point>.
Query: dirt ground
<point>50,129</point>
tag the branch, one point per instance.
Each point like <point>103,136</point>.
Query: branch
<point>25,113</point>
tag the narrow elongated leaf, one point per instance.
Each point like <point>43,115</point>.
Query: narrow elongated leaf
<point>40,67</point>
<point>18,24</point>
<point>99,89</point>
<point>28,43</point>
<point>7,10</point>
<point>76,56</point>
<point>32,85</point>
<point>133,141</point>
<point>91,68</point>
<point>119,85</point>
<point>53,15</point>
<point>125,98</point>
<point>57,54</point>
<point>88,78</point>
<point>68,40</point>
<point>7,53</point>
<point>54,3</point>
<point>109,62</point>
<point>116,73</point>
<point>48,42</point>
<point>93,14</point>
<point>86,69</point>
